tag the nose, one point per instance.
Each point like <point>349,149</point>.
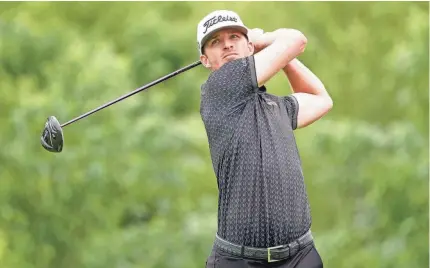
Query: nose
<point>228,44</point>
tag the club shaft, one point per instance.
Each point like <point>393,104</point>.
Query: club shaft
<point>133,92</point>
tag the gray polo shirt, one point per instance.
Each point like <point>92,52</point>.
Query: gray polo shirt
<point>262,195</point>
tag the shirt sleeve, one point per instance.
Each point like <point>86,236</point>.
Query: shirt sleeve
<point>292,106</point>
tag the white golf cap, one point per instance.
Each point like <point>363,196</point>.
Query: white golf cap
<point>215,21</point>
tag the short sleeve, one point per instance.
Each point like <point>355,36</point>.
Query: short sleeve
<point>292,106</point>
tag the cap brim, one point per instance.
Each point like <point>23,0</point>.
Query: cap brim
<point>242,29</point>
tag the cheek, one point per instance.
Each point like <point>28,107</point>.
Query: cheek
<point>214,55</point>
<point>244,48</point>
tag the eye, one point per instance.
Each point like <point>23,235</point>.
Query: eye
<point>235,36</point>
<point>214,42</point>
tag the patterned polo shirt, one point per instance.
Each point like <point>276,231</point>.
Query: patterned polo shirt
<point>262,195</point>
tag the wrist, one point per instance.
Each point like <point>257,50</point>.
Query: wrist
<point>293,63</point>
<point>262,41</point>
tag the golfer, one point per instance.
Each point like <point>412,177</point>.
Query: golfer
<point>263,210</point>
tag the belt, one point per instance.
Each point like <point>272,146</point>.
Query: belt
<point>271,254</point>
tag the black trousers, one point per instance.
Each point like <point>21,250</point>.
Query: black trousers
<point>307,257</point>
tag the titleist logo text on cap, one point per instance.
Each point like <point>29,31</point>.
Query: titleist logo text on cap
<point>214,20</point>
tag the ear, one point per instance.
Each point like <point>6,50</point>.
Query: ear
<point>205,61</point>
<point>251,47</point>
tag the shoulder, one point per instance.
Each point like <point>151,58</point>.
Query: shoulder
<point>239,70</point>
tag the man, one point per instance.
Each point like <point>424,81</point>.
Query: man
<point>263,214</point>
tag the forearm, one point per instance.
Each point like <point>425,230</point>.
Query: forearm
<point>303,80</point>
<point>261,41</point>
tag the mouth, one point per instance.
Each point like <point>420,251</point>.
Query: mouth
<point>229,54</point>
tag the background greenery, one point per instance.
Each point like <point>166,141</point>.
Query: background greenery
<point>134,186</point>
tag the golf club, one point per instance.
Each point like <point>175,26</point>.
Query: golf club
<point>52,138</point>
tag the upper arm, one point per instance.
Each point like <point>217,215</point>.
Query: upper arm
<point>304,109</point>
<point>287,45</point>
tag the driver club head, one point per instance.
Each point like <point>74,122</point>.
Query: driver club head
<point>52,137</point>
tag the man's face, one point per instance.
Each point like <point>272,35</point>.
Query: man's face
<point>224,46</point>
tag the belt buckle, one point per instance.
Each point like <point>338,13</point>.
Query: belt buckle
<point>269,257</point>
<point>294,248</point>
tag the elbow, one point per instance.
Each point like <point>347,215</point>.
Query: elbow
<point>301,38</point>
<point>328,103</point>
<point>293,36</point>
<point>301,41</point>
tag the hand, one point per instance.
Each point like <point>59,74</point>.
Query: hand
<point>255,36</point>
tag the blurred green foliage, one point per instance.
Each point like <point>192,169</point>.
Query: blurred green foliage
<point>134,186</point>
